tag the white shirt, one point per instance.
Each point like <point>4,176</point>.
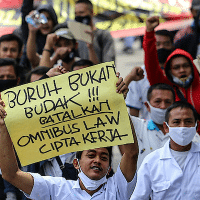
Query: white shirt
<point>161,177</point>
<point>137,95</point>
<point>57,188</point>
<point>149,137</point>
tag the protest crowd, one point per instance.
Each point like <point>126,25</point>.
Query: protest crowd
<point>162,98</point>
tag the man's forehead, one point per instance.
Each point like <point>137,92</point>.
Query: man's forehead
<point>98,150</point>
<point>162,38</point>
<point>12,42</point>
<point>181,113</point>
<point>159,93</point>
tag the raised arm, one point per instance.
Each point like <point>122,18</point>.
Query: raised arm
<point>46,54</point>
<point>154,72</point>
<point>136,74</point>
<point>8,162</point>
<point>128,164</point>
<point>32,54</point>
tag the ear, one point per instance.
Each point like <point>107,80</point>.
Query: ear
<point>166,128</point>
<point>75,163</point>
<point>147,106</point>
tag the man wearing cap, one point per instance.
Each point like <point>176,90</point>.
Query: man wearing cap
<point>188,38</point>
<point>64,45</point>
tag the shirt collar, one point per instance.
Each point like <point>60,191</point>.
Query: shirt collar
<point>166,154</point>
<point>152,126</point>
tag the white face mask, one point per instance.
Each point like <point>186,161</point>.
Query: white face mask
<point>157,114</point>
<point>89,183</point>
<point>182,135</point>
<point>182,82</point>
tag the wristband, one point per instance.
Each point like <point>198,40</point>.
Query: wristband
<point>47,50</point>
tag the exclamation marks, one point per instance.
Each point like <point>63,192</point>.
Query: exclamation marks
<point>93,94</point>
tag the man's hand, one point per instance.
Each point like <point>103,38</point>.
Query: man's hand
<point>61,52</point>
<point>31,27</point>
<point>152,23</point>
<point>51,41</point>
<point>2,113</point>
<point>121,86</point>
<point>137,74</point>
<point>56,71</point>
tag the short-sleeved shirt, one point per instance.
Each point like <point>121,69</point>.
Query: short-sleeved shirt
<point>57,188</point>
<point>137,95</point>
<point>149,137</point>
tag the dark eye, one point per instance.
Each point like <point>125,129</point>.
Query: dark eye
<point>91,155</point>
<point>104,158</point>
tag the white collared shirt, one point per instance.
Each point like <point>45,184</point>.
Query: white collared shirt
<point>57,188</point>
<point>149,137</point>
<point>161,177</point>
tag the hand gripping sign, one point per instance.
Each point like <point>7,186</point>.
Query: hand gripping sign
<point>71,112</point>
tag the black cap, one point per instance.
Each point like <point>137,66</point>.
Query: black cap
<point>195,5</point>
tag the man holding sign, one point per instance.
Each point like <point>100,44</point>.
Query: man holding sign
<point>93,164</point>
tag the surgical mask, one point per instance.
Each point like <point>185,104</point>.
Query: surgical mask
<point>7,84</point>
<point>182,135</point>
<point>157,114</point>
<point>163,54</point>
<point>69,57</point>
<point>183,82</point>
<point>89,183</point>
<point>83,19</point>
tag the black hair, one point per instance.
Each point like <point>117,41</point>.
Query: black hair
<point>79,153</point>
<point>82,62</point>
<point>180,104</point>
<point>88,2</point>
<point>40,70</point>
<point>10,61</point>
<point>166,33</point>
<point>12,37</point>
<point>160,86</point>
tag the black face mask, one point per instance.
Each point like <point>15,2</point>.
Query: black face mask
<point>7,84</point>
<point>163,54</point>
<point>85,19</point>
<point>69,57</point>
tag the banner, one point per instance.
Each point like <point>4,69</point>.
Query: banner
<point>71,112</point>
<point>112,15</point>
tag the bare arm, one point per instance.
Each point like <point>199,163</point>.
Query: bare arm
<point>92,53</point>
<point>8,162</point>
<point>46,54</point>
<point>136,74</point>
<point>32,54</point>
<point>128,163</point>
<point>134,112</point>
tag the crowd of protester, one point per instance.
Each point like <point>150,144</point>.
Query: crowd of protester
<point>163,103</point>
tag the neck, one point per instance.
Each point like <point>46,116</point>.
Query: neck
<point>177,147</point>
<point>160,126</point>
<point>90,192</point>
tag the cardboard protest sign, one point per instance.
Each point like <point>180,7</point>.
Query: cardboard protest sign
<point>75,111</point>
<point>79,31</point>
